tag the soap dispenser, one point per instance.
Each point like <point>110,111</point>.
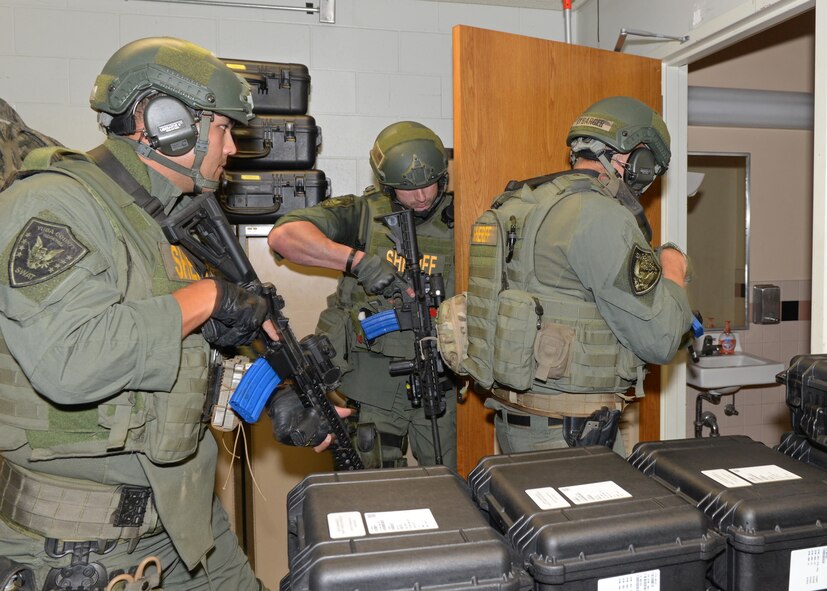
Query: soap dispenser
<point>726,341</point>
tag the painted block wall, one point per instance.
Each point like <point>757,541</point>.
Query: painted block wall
<point>382,61</point>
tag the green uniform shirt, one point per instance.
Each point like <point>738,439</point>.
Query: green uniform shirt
<point>76,319</point>
<point>585,249</point>
<point>348,220</point>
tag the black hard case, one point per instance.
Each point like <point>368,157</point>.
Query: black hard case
<point>276,88</point>
<point>463,553</point>
<point>575,548</point>
<point>799,448</point>
<point>763,523</point>
<point>276,142</point>
<point>261,197</point>
<point>806,385</point>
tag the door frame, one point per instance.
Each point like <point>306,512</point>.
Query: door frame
<point>723,32</point>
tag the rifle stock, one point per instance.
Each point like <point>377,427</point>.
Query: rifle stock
<point>204,231</point>
<point>425,367</point>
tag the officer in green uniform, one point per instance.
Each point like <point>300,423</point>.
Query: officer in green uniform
<point>411,165</point>
<point>605,302</point>
<point>105,328</point>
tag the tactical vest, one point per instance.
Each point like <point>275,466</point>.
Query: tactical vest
<point>525,335</point>
<point>165,426</point>
<point>340,321</point>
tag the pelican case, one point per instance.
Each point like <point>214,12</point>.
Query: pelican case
<point>583,519</point>
<point>771,508</point>
<point>277,88</point>
<point>407,528</point>
<point>276,142</point>
<point>261,197</point>
<point>799,448</point>
<point>806,383</point>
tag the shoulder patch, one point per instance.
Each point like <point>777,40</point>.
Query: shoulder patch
<point>644,270</point>
<point>41,251</point>
<point>345,201</point>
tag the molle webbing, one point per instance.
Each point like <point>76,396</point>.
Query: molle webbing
<point>67,508</point>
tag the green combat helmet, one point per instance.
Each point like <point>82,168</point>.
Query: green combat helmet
<point>621,123</point>
<point>408,155</point>
<point>176,70</point>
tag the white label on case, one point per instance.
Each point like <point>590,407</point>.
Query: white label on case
<point>646,581</point>
<point>760,474</point>
<point>808,569</point>
<point>347,524</point>
<point>595,492</point>
<point>725,477</point>
<point>397,521</point>
<point>547,498</point>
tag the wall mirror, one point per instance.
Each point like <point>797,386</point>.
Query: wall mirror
<point>718,238</point>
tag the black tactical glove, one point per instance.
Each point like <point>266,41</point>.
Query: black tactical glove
<point>378,276</point>
<point>294,424</point>
<point>237,316</point>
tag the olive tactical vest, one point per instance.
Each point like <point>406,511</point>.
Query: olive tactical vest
<point>340,321</point>
<point>165,426</point>
<point>523,334</point>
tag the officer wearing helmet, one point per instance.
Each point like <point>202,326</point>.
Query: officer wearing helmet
<point>105,332</point>
<point>603,302</point>
<point>410,164</point>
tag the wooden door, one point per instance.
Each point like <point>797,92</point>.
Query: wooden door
<point>514,100</point>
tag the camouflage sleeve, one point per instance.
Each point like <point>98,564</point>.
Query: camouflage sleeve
<point>648,313</point>
<point>338,218</point>
<point>62,309</point>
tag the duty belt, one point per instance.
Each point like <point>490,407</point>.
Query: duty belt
<point>70,509</point>
<point>559,405</point>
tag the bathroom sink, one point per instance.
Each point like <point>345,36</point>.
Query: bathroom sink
<point>724,371</point>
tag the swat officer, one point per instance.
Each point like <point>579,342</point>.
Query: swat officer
<point>411,165</point>
<point>604,303</point>
<point>105,329</point>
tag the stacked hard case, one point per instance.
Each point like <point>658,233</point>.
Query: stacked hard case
<point>272,171</point>
<point>770,507</point>
<point>583,519</point>
<point>383,530</point>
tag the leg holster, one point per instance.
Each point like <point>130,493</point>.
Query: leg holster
<point>599,428</point>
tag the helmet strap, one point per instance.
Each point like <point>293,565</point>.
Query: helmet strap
<point>442,184</point>
<point>201,145</point>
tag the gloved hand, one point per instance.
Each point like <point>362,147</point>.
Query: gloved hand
<point>294,424</point>
<point>378,276</point>
<point>690,270</point>
<point>237,316</point>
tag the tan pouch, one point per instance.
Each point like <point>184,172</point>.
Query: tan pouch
<point>452,333</point>
<point>552,351</point>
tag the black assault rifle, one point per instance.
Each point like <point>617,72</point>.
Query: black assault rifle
<point>204,231</point>
<point>414,313</point>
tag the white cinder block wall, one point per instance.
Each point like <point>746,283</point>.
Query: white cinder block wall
<point>382,61</point>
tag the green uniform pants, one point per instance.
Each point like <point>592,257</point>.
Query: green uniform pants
<point>226,565</point>
<point>402,420</point>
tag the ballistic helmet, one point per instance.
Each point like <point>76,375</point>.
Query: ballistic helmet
<point>621,123</point>
<point>173,67</point>
<point>408,155</point>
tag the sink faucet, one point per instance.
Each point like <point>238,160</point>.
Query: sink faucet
<point>708,348</point>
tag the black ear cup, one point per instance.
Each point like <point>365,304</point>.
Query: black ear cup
<point>170,126</point>
<point>640,169</point>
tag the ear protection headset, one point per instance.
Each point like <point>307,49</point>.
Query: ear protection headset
<point>169,125</point>
<point>640,169</point>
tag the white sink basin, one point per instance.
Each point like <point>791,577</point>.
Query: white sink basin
<point>724,371</point>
